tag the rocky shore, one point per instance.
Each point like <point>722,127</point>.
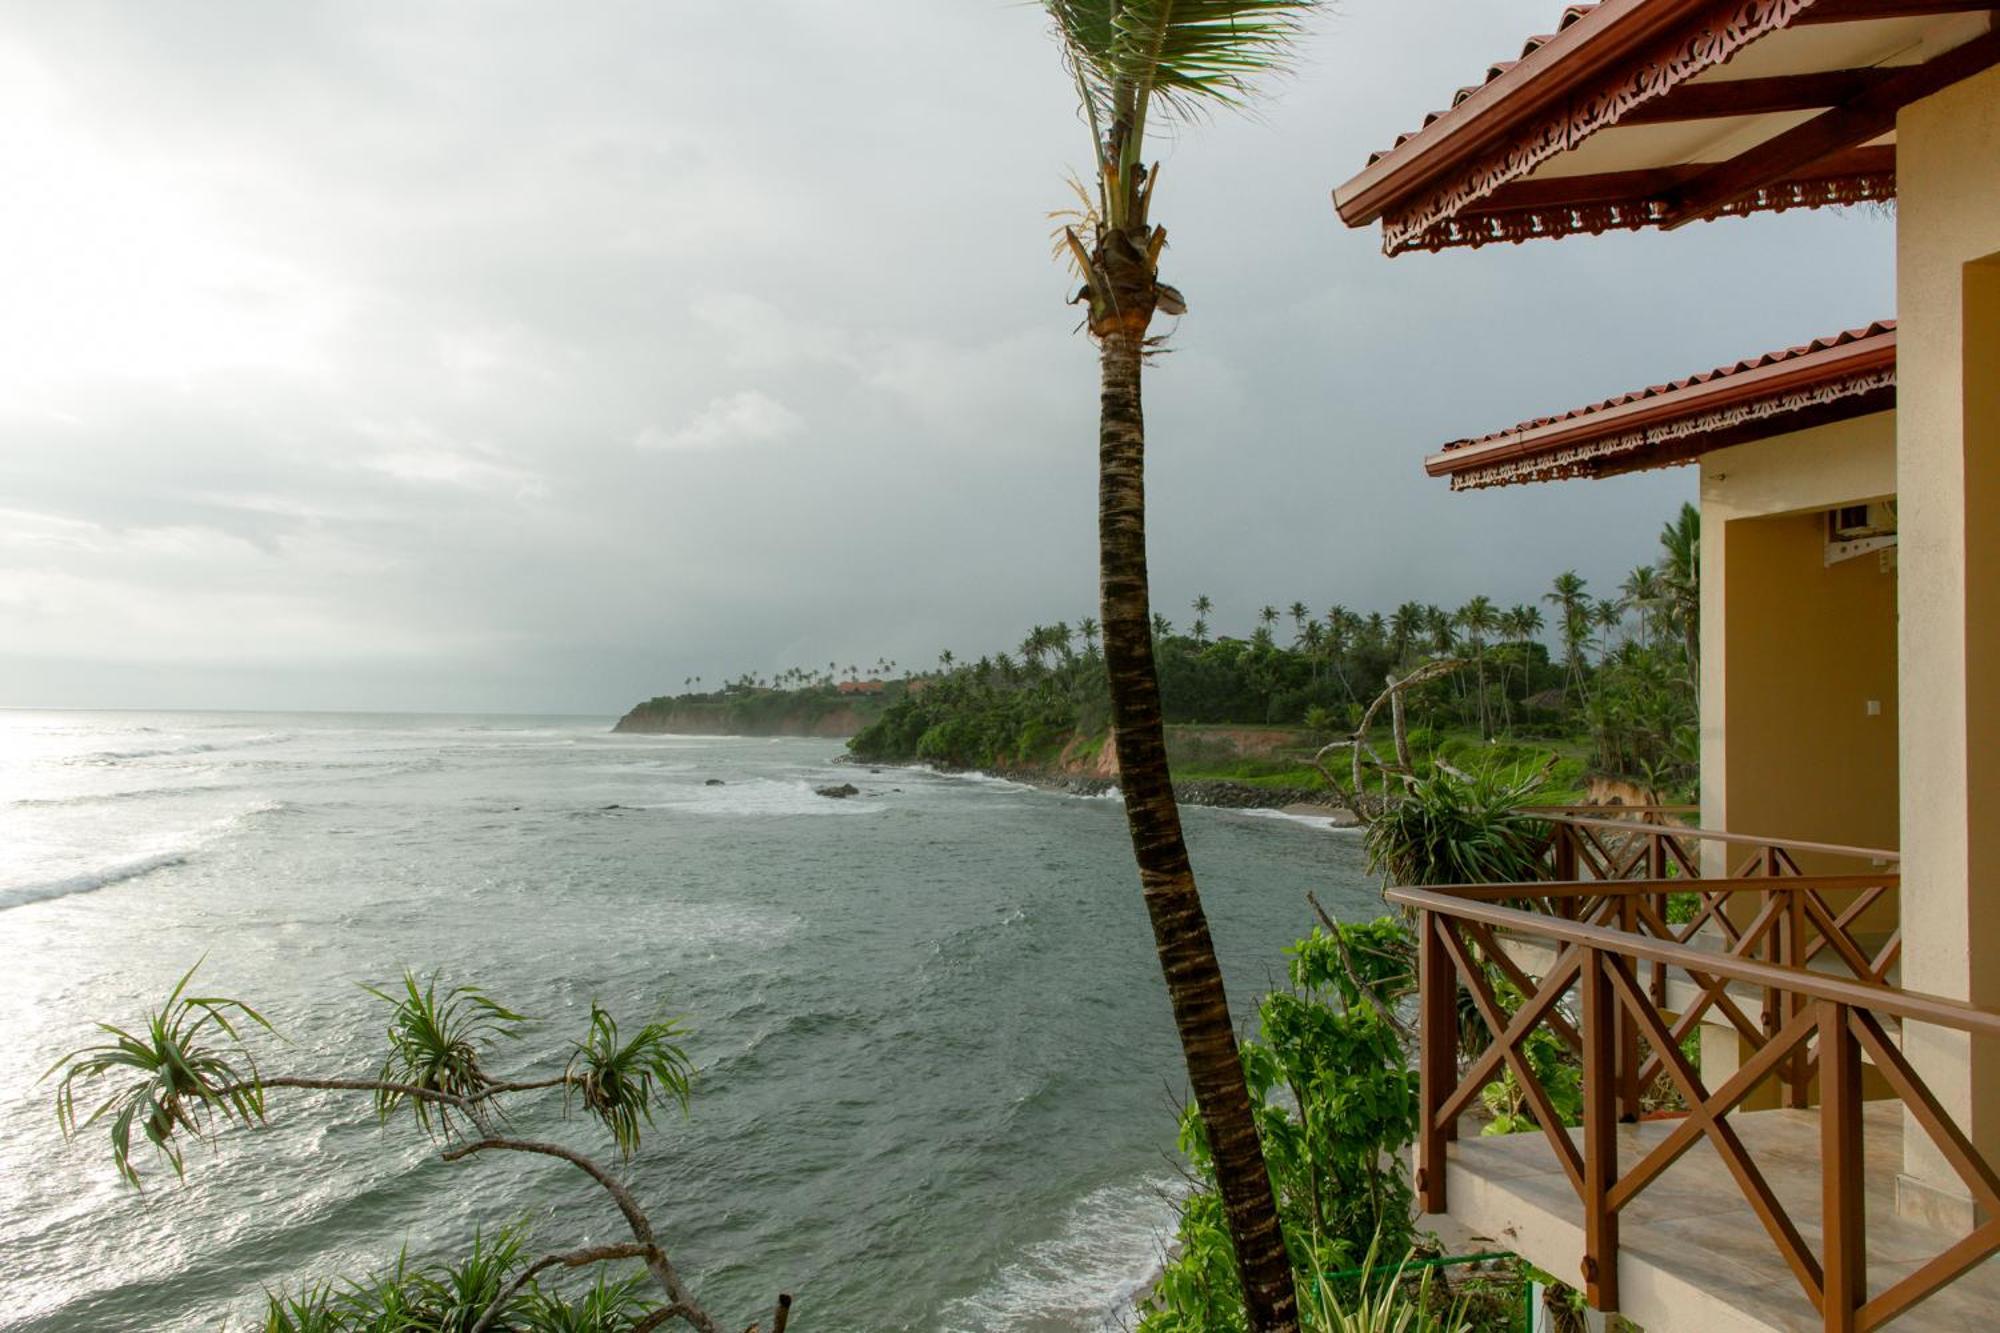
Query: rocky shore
<point>1217,793</point>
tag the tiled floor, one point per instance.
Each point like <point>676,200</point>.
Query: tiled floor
<point>1693,1255</point>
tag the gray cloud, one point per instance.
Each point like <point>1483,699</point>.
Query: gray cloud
<point>525,356</point>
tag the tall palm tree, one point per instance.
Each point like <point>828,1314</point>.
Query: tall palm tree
<point>1644,593</point>
<point>1267,616</point>
<point>1312,641</point>
<point>1680,571</point>
<point>1339,638</point>
<point>1297,611</point>
<point>1202,606</point>
<point>1609,613</point>
<point>1520,624</point>
<point>1567,595</point>
<point>1134,60</point>
<point>1405,624</point>
<point>1087,627</point>
<point>1437,624</point>
<point>1476,618</point>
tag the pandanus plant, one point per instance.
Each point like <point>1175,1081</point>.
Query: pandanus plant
<point>1137,63</point>
<point>186,1073</point>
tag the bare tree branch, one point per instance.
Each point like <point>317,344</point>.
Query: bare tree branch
<point>658,1318</point>
<point>571,1259</point>
<point>635,1217</point>
<point>1339,937</point>
<point>1359,744</point>
<point>411,1090</point>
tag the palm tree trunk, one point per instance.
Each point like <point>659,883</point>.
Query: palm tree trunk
<point>1180,930</point>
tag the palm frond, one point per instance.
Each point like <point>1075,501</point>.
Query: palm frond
<point>1125,54</point>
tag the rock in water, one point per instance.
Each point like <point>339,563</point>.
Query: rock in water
<point>841,792</point>
<point>713,782</point>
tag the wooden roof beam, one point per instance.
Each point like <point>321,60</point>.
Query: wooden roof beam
<point>1868,115</point>
<point>1756,97</point>
<point>1636,187</point>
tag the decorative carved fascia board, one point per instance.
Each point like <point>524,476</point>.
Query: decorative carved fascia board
<point>1726,29</point>
<point>1589,457</point>
<point>1567,220</point>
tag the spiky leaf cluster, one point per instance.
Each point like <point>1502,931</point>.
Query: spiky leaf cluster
<point>180,1081</point>
<point>620,1083</point>
<point>452,1297</point>
<point>435,1043</point>
<point>1130,56</point>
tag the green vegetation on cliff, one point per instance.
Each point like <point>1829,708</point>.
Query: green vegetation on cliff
<point>751,711</point>
<point>1616,695</point>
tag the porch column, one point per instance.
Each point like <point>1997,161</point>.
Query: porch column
<point>1948,470</point>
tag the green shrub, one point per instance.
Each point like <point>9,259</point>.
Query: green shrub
<point>1453,829</point>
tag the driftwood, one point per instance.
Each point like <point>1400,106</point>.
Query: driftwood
<point>1363,755</point>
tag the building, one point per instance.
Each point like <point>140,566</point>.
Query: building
<point>1842,965</point>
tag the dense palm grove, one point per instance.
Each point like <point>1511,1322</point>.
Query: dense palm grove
<point>1616,672</point>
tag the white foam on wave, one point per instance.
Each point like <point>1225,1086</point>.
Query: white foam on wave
<point>177,853</point>
<point>992,780</point>
<point>1085,1277</point>
<point>173,751</point>
<point>105,797</point>
<point>1322,822</point>
<point>90,880</point>
<point>970,776</point>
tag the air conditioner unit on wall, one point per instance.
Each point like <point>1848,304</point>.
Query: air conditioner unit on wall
<point>1857,529</point>
<point>1853,522</point>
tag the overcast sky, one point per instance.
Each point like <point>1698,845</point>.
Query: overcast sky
<point>537,356</point>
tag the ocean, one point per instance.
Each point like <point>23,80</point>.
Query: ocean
<point>937,1081</point>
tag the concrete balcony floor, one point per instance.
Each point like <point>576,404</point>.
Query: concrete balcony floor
<point>1693,1256</point>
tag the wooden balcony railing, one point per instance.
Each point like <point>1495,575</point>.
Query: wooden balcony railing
<point>1816,1025</point>
<point>1655,841</point>
<point>1651,843</point>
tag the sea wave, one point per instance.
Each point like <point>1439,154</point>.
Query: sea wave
<point>1086,1276</point>
<point>1324,822</point>
<point>102,757</point>
<point>89,881</point>
<point>985,779</point>
<point>118,872</point>
<point>106,797</point>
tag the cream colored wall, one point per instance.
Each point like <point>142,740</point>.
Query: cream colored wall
<point>1948,482</point>
<point>1792,649</point>
<point>1809,647</point>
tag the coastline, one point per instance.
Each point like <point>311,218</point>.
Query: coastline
<point>1213,793</point>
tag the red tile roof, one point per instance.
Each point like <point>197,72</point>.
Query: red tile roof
<point>1840,339</point>
<point>1533,44</point>
<point>1847,374</point>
